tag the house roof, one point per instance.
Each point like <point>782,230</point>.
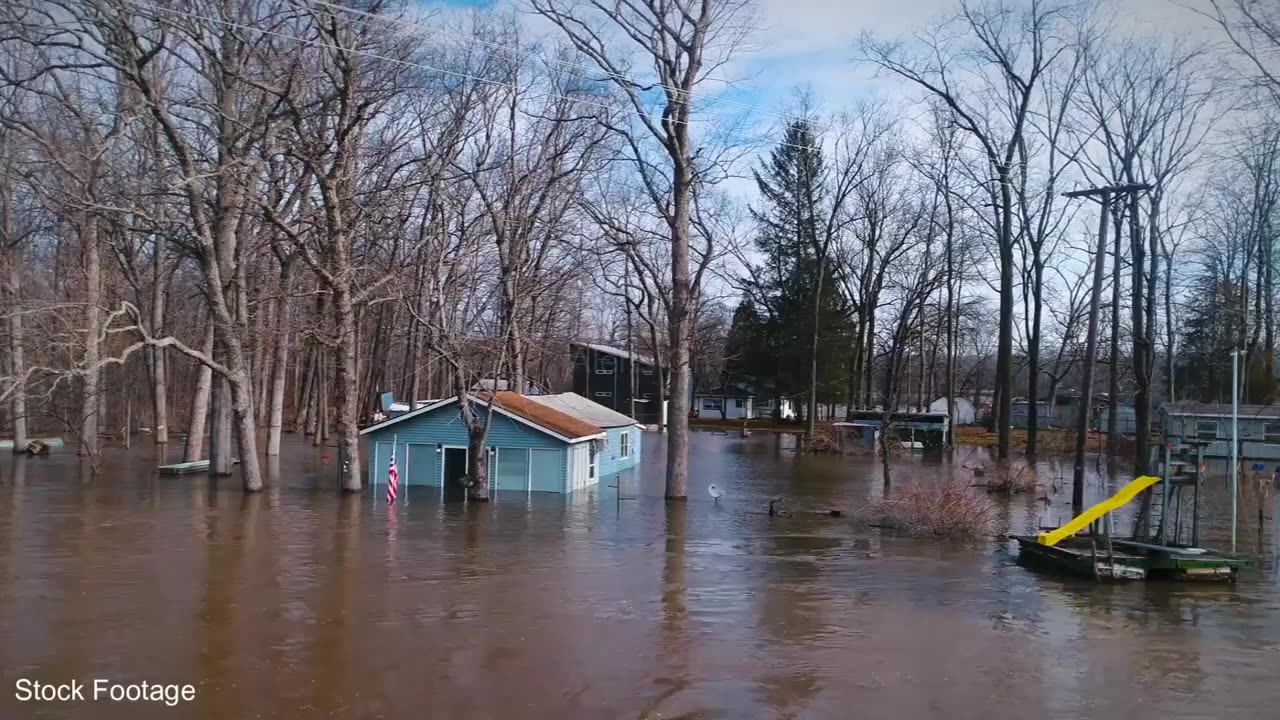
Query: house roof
<point>608,350</point>
<point>732,390</point>
<point>960,402</point>
<point>519,408</point>
<point>1194,409</point>
<point>548,417</point>
<point>584,409</point>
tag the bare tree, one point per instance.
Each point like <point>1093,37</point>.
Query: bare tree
<point>1152,109</point>
<point>686,41</point>
<point>1254,29</point>
<point>1008,51</point>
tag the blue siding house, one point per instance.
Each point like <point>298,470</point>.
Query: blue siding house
<point>621,447</point>
<point>532,446</point>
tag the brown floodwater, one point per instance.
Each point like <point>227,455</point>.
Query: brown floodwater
<point>301,603</point>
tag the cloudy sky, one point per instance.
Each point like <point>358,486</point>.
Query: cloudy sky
<point>811,44</point>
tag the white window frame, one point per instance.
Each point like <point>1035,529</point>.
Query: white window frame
<point>624,445</point>
<point>606,368</point>
<point>1269,433</point>
<point>1201,434</point>
<point>712,404</point>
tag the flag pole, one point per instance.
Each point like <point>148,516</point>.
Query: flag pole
<point>404,476</point>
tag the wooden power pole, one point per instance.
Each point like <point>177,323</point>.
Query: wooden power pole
<point>1091,341</point>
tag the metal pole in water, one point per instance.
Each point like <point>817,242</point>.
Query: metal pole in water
<point>1235,442</point>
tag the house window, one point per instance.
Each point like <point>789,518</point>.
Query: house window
<point>605,364</point>
<point>738,403</point>
<point>591,469</point>
<point>711,403</point>
<point>624,445</point>
<point>1272,432</point>
<point>1207,429</point>
<point>604,394</point>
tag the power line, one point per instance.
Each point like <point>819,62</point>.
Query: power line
<point>399,61</point>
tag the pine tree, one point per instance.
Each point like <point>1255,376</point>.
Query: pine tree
<point>792,183</point>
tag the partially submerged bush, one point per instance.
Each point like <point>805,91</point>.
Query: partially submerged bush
<point>1010,479</point>
<point>950,509</point>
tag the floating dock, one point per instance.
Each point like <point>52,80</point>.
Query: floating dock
<point>51,442</point>
<point>1102,556</point>
<point>1130,560</point>
<point>184,468</point>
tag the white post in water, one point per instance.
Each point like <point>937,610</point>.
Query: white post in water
<point>1235,440</point>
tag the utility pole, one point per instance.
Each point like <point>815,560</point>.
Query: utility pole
<point>1091,340</point>
<point>631,353</point>
<point>1235,442</point>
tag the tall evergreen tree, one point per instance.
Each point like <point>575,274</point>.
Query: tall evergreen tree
<point>793,187</point>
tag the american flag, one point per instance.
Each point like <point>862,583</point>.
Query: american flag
<point>393,480</point>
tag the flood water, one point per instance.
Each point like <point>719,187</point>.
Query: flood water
<point>301,603</point>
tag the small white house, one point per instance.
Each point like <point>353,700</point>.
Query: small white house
<point>764,408</point>
<point>965,412</point>
<point>728,403</point>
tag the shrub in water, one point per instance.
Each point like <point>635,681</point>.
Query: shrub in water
<point>1011,479</point>
<point>950,509</point>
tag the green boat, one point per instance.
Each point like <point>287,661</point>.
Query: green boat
<point>184,468</point>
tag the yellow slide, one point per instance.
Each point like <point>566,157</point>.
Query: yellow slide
<point>1082,520</point>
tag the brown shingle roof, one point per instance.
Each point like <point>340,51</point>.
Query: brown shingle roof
<point>543,416</point>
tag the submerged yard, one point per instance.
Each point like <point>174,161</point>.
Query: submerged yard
<point>302,603</point>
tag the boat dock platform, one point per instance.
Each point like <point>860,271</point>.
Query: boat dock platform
<point>53,442</point>
<point>184,468</point>
<point>1130,560</point>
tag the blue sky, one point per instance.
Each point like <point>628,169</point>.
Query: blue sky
<point>811,44</point>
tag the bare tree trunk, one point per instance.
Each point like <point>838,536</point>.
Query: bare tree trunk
<point>1004,347</point>
<point>1113,392</point>
<point>348,411</point>
<point>313,403</point>
<point>321,406</point>
<point>17,351</point>
<point>260,361</point>
<point>952,311</point>
<point>1033,359</point>
<point>159,358</point>
<point>1141,364</point>
<point>1170,329</point>
<point>853,394</point>
<point>869,363</point>
<point>478,465</point>
<point>200,403</point>
<point>813,348</point>
<point>678,439</point>
<point>280,365</point>
<point>306,378</point>
<point>220,436</point>
<point>93,301</point>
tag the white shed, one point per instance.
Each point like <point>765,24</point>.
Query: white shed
<point>965,413</point>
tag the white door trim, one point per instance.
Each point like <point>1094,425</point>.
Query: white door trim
<point>444,451</point>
